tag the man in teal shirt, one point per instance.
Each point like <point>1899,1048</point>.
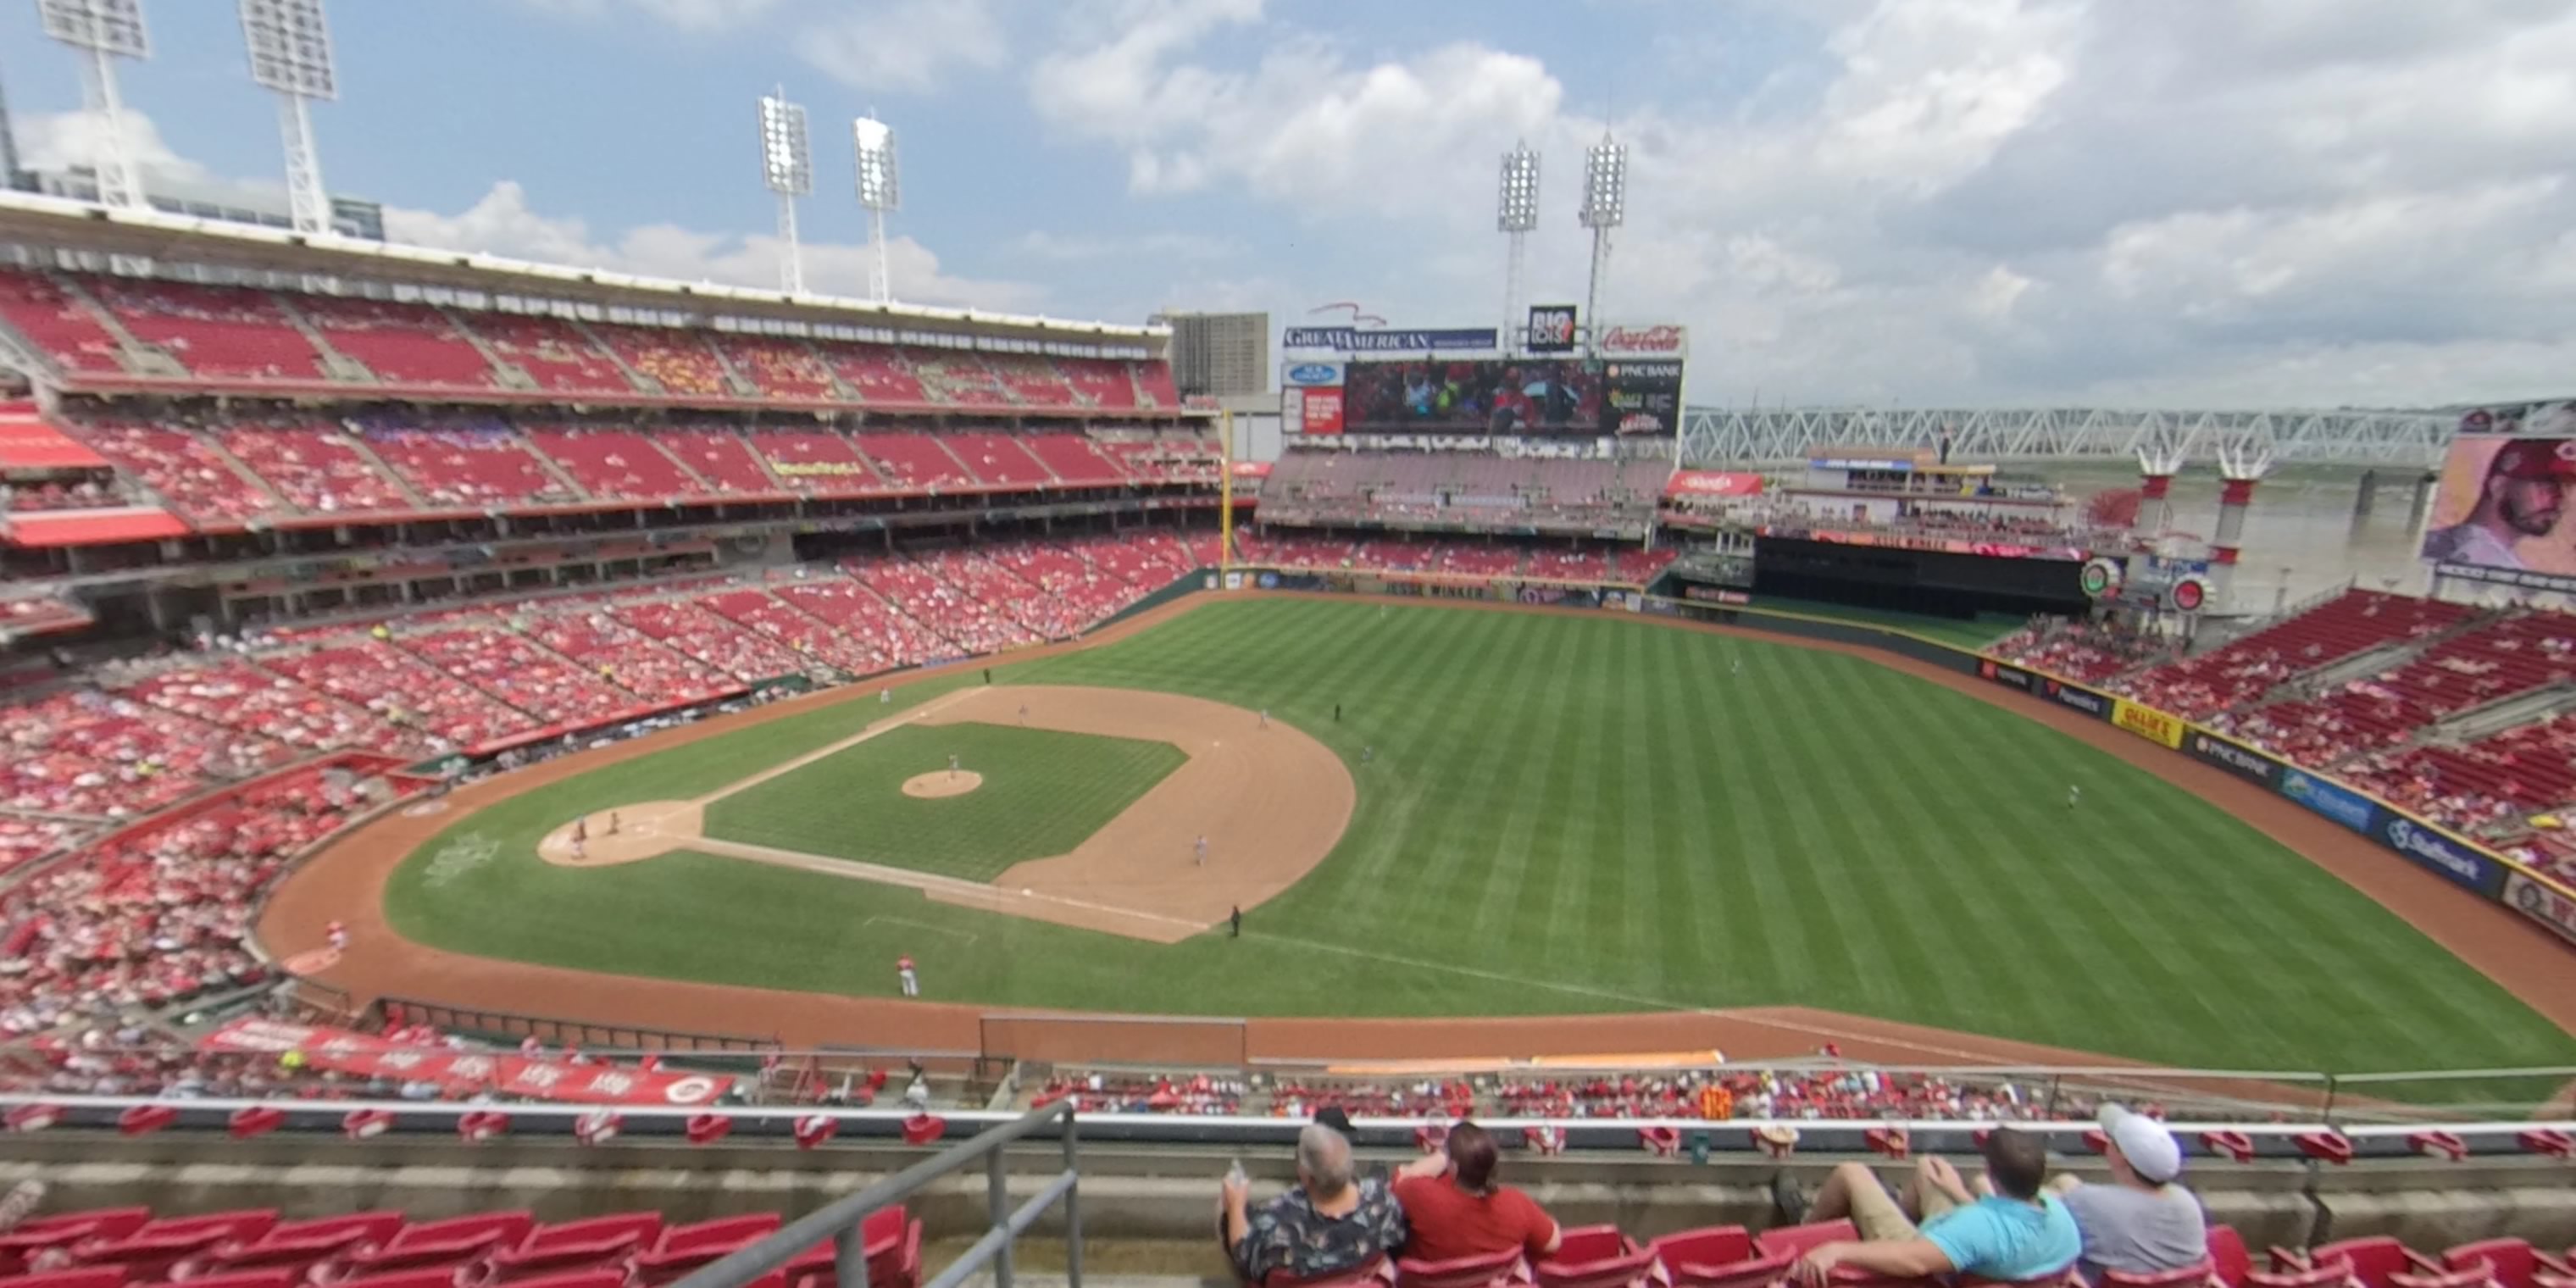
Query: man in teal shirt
<point>2017,1233</point>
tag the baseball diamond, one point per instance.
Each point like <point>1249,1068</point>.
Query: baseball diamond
<point>1564,813</point>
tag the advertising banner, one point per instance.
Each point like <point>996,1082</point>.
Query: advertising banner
<point>1551,328</point>
<point>1308,375</point>
<point>2234,757</point>
<point>1645,398</point>
<point>2542,904</point>
<point>1252,469</point>
<point>1716,595</point>
<point>464,1072</point>
<point>1660,340</point>
<point>1323,412</point>
<point>2084,700</point>
<point>2431,847</point>
<point>1713,483</point>
<point>1803,530</point>
<point>2338,803</point>
<point>2147,722</point>
<point>2010,676</point>
<point>2500,512</point>
<point>1343,339</point>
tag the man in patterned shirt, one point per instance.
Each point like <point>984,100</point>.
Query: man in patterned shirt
<point>1332,1222</point>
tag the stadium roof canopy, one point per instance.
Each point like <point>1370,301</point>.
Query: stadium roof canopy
<point>32,220</point>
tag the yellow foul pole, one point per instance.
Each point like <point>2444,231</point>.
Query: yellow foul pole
<point>1225,493</point>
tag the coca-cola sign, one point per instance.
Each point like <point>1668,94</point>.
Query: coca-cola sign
<point>1664,340</point>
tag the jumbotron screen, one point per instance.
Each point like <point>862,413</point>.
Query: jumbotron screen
<point>1523,397</point>
<point>2500,514</point>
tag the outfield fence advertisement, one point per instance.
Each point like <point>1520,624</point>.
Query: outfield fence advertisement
<point>2234,757</point>
<point>2542,903</point>
<point>2155,726</point>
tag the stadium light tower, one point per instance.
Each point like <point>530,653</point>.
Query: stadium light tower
<point>880,191</point>
<point>290,54</point>
<point>104,31</point>
<point>1605,206</point>
<point>1515,214</point>
<point>787,165</point>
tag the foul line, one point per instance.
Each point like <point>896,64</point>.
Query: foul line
<point>790,766</point>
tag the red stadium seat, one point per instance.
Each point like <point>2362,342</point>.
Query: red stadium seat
<point>891,1241</point>
<point>1796,1239</point>
<point>20,1246</point>
<point>597,1277</point>
<point>2372,1260</point>
<point>75,1277</point>
<point>297,1245</point>
<point>279,1277</point>
<point>575,1245</point>
<point>455,1276</point>
<point>684,1248</point>
<point>440,1244</point>
<point>1596,1256</point>
<point>2511,1262</point>
<point>1459,1272</point>
<point>1719,1257</point>
<point>151,1250</point>
<point>2186,1277</point>
<point>1369,1272</point>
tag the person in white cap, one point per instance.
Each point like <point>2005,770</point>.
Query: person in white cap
<point>2143,1222</point>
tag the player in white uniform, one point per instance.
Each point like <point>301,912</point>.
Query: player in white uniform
<point>1201,849</point>
<point>2074,796</point>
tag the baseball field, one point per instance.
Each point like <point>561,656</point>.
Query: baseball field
<point>1454,813</point>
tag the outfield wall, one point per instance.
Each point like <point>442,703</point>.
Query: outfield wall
<point>2437,849</point>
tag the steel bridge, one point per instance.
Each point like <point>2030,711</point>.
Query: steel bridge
<point>1719,436</point>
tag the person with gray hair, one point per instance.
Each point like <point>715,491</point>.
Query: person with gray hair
<point>1334,1221</point>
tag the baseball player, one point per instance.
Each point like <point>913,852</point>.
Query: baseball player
<point>612,822</point>
<point>337,935</point>
<point>1735,666</point>
<point>1265,717</point>
<point>885,697</point>
<point>2074,795</point>
<point>1202,849</point>
<point>911,980</point>
<point>952,764</point>
<point>581,829</point>
<point>1368,753</point>
<point>1024,713</point>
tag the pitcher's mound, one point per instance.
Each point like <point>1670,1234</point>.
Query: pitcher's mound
<point>943,783</point>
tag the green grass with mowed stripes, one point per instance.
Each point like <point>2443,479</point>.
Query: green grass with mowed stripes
<point>1580,812</point>
<point>1043,791</point>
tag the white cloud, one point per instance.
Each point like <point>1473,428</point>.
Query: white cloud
<point>905,45</point>
<point>1068,248</point>
<point>503,223</point>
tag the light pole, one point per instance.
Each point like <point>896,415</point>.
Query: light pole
<point>290,54</point>
<point>1605,206</point>
<point>1515,214</point>
<point>104,31</point>
<point>787,166</point>
<point>880,192</point>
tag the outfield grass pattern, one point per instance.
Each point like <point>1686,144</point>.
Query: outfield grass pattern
<point>1043,792</point>
<point>1570,813</point>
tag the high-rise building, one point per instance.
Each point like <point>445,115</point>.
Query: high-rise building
<point>1220,355</point>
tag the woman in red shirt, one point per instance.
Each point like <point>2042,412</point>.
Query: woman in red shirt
<point>1456,1209</point>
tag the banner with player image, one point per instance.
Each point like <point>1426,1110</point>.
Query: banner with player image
<point>2500,513</point>
<point>1514,397</point>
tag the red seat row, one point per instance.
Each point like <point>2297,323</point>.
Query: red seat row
<point>117,1247</point>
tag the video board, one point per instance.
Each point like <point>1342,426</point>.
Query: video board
<point>1514,397</point>
<point>2500,512</point>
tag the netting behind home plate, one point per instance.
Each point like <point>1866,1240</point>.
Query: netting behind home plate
<point>1188,1041</point>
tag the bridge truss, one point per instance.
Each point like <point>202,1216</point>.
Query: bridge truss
<point>1719,436</point>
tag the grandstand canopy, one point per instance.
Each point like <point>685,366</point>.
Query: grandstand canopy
<point>54,223</point>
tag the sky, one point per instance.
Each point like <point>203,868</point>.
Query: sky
<point>2166,203</point>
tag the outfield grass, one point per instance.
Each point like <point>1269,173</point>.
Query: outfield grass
<point>1043,792</point>
<point>1572,812</point>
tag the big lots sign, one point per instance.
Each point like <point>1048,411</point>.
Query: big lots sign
<point>1663,339</point>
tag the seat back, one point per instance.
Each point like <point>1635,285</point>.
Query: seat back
<point>1715,1245</point>
<point>272,1277</point>
<point>2204,1271</point>
<point>425,1277</point>
<point>1590,1243</point>
<point>723,1233</point>
<point>597,1277</point>
<point>1458,1272</point>
<point>2508,1261</point>
<point>77,1277</point>
<point>1752,1272</point>
<point>1369,1272</point>
<point>2227,1255</point>
<point>1796,1239</point>
<point>639,1226</point>
<point>1614,1271</point>
<point>2372,1259</point>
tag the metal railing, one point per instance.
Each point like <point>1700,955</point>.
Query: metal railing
<point>842,1222</point>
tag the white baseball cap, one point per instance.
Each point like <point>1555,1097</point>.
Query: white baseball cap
<point>2151,1150</point>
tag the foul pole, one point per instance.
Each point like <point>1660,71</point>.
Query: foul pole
<point>1225,493</point>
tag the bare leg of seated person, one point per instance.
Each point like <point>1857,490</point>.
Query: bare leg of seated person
<point>1854,1191</point>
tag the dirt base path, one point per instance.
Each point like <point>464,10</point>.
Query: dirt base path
<point>346,881</point>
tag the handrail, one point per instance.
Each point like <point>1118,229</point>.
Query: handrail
<point>841,1221</point>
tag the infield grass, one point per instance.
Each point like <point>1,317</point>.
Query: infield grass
<point>1043,791</point>
<point>1580,812</point>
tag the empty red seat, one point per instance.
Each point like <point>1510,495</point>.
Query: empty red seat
<point>440,1244</point>
<point>296,1246</point>
<point>150,1250</point>
<point>2206,1272</point>
<point>278,1277</point>
<point>684,1248</point>
<point>2510,1262</point>
<point>2372,1260</point>
<point>1723,1256</point>
<point>453,1276</point>
<point>597,1277</point>
<point>1460,1272</point>
<point>76,1277</point>
<point>20,1246</point>
<point>1594,1256</point>
<point>1796,1239</point>
<point>575,1245</point>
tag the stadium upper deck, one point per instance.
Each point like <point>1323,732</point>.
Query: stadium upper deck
<point>223,308</point>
